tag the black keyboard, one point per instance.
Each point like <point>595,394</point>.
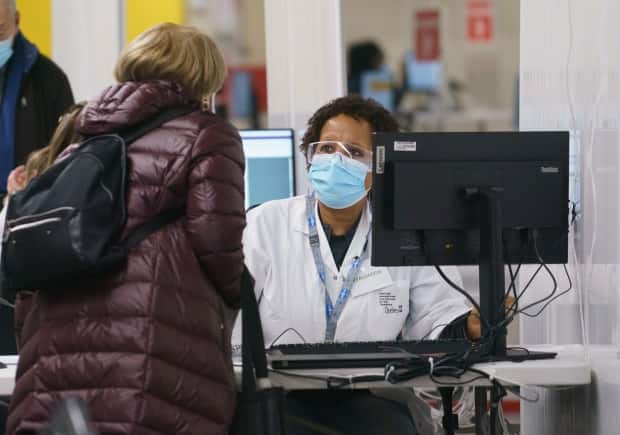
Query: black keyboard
<point>358,354</point>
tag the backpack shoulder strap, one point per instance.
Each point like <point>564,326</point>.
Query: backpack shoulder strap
<point>133,133</point>
<point>143,230</point>
<point>168,216</point>
<point>253,345</point>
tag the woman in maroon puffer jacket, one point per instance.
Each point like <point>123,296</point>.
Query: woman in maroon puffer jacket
<point>148,349</point>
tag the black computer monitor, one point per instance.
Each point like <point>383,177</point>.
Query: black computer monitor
<point>269,165</point>
<point>471,198</point>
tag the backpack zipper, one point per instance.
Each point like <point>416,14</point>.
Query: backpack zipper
<point>13,221</point>
<point>33,224</point>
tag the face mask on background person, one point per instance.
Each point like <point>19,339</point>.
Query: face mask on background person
<point>6,51</point>
<point>338,180</point>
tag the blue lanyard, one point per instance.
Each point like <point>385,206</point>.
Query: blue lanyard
<point>332,312</point>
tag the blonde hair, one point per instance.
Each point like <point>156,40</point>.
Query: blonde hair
<point>64,135</point>
<point>177,53</point>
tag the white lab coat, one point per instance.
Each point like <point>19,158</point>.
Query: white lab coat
<point>384,301</point>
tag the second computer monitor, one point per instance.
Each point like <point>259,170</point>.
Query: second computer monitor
<point>423,75</point>
<point>270,169</point>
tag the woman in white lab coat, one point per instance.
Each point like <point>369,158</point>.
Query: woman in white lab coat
<point>310,258</point>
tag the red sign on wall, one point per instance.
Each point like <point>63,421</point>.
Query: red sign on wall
<point>427,34</point>
<point>479,21</point>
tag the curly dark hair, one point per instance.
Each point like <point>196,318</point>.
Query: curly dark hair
<point>361,109</point>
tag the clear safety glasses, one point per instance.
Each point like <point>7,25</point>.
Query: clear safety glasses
<point>355,152</point>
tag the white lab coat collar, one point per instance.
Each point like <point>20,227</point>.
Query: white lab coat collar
<point>357,244</point>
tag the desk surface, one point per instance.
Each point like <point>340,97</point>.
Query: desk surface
<point>571,367</point>
<point>7,375</point>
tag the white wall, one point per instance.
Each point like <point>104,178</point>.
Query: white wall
<point>570,79</point>
<point>305,64</point>
<point>87,36</point>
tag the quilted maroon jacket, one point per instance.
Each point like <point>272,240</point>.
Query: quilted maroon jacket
<point>149,348</point>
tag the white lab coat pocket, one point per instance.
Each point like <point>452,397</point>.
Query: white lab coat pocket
<point>381,304</point>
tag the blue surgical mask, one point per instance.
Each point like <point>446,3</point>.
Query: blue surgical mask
<point>6,51</point>
<point>338,180</point>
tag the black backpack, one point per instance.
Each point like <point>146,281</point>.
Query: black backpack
<point>66,224</point>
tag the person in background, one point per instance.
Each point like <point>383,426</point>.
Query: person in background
<point>369,76</point>
<point>362,56</point>
<point>310,257</point>
<point>19,178</point>
<point>34,92</point>
<point>147,347</point>
<point>39,160</point>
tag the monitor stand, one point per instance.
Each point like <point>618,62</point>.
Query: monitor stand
<point>491,275</point>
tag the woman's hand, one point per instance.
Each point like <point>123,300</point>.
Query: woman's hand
<point>474,326</point>
<point>17,180</point>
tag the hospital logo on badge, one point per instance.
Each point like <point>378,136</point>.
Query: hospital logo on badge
<point>393,310</point>
<point>387,300</point>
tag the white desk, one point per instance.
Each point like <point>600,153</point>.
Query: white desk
<point>7,375</point>
<point>570,368</point>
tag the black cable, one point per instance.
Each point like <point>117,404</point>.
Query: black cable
<point>518,298</point>
<point>452,365</point>
<point>284,332</point>
<point>516,392</point>
<point>540,267</point>
<point>508,317</point>
<point>543,264</point>
<point>511,315</point>
<point>403,370</point>
<point>395,371</point>
<point>562,293</point>
<point>464,293</point>
<point>456,384</point>
<point>513,286</point>
<point>449,365</point>
<point>513,277</point>
<point>534,275</point>
<point>531,280</point>
<point>488,337</point>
